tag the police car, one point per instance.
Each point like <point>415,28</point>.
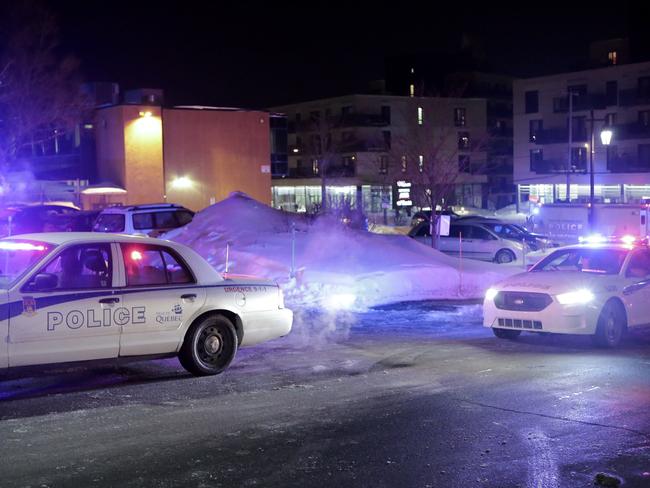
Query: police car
<point>600,288</point>
<point>83,296</point>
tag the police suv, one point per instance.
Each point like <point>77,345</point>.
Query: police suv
<point>82,296</point>
<point>599,289</point>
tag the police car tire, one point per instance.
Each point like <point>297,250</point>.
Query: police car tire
<point>504,256</point>
<point>611,326</point>
<point>506,333</point>
<point>209,347</point>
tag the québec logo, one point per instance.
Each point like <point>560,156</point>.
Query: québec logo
<point>177,309</point>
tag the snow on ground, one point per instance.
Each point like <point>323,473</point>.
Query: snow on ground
<point>335,266</point>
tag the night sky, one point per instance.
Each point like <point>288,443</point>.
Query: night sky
<point>260,54</point>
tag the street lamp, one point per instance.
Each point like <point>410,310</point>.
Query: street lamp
<point>606,138</point>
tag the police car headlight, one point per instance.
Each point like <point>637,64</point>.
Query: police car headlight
<point>491,293</point>
<point>577,297</point>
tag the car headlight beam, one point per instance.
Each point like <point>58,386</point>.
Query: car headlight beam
<point>578,297</point>
<point>491,293</point>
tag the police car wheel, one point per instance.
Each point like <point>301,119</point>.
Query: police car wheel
<point>611,326</point>
<point>209,347</point>
<point>506,333</point>
<point>504,256</point>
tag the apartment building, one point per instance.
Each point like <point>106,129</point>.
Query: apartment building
<point>365,145</point>
<point>558,122</point>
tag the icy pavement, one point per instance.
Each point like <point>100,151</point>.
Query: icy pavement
<point>415,394</point>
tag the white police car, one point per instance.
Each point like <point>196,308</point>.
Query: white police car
<point>82,296</point>
<point>595,289</point>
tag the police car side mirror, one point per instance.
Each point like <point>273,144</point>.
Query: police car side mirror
<point>44,282</point>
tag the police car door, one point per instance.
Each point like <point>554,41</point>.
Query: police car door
<point>636,292</point>
<point>161,287</point>
<point>70,310</point>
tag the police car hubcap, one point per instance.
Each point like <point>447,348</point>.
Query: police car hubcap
<point>212,344</point>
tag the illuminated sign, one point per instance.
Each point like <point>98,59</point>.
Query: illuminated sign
<point>402,194</point>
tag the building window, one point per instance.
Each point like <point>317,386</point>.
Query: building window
<point>532,102</point>
<point>579,158</point>
<point>611,57</point>
<point>298,118</point>
<point>299,142</point>
<point>612,158</point>
<point>420,163</point>
<point>345,111</point>
<point>644,88</point>
<point>610,120</point>
<point>420,116</point>
<point>346,136</point>
<point>411,90</point>
<point>383,165</point>
<point>385,113</point>
<point>463,140</point>
<point>611,93</point>
<point>644,118</point>
<point>404,164</point>
<point>314,116</point>
<point>534,128</point>
<point>316,144</point>
<point>536,160</point>
<point>579,128</point>
<point>314,166</point>
<point>463,163</point>
<point>644,156</point>
<point>387,138</point>
<point>459,117</point>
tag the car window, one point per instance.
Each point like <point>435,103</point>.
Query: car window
<point>639,266</point>
<point>17,257</point>
<point>153,265</point>
<point>165,220</point>
<point>423,231</point>
<point>586,260</point>
<point>184,217</point>
<point>480,233</point>
<point>109,222</point>
<point>143,221</point>
<point>81,267</point>
<point>455,230</point>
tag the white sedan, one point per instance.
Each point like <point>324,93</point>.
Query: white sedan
<point>83,296</point>
<point>598,290</point>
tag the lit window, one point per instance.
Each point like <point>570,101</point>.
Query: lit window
<point>314,166</point>
<point>611,56</point>
<point>412,90</point>
<point>403,164</point>
<point>420,116</point>
<point>383,165</point>
<point>421,163</point>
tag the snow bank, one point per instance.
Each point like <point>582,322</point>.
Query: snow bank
<point>335,267</point>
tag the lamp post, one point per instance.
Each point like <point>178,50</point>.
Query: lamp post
<point>605,139</point>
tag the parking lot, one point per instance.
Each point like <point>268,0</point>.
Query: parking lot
<point>409,395</point>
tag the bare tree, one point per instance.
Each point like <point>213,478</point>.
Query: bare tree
<point>434,159</point>
<point>40,97</point>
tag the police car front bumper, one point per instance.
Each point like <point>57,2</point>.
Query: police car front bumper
<point>555,318</point>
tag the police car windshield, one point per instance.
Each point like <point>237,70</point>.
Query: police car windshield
<point>585,260</point>
<point>17,257</point>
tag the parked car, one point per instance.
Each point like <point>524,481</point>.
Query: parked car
<point>25,219</point>
<point>599,290</point>
<point>507,230</point>
<point>478,242</point>
<point>79,296</point>
<point>151,220</point>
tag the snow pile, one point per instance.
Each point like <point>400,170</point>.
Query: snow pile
<point>335,267</point>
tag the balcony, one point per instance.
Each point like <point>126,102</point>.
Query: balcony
<point>359,145</point>
<point>634,130</point>
<point>301,173</point>
<point>624,163</point>
<point>595,101</point>
<point>549,166</point>
<point>361,120</point>
<point>633,96</point>
<point>560,135</point>
<point>340,171</point>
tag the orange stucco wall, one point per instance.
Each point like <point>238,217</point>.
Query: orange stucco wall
<point>219,151</point>
<point>130,151</point>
